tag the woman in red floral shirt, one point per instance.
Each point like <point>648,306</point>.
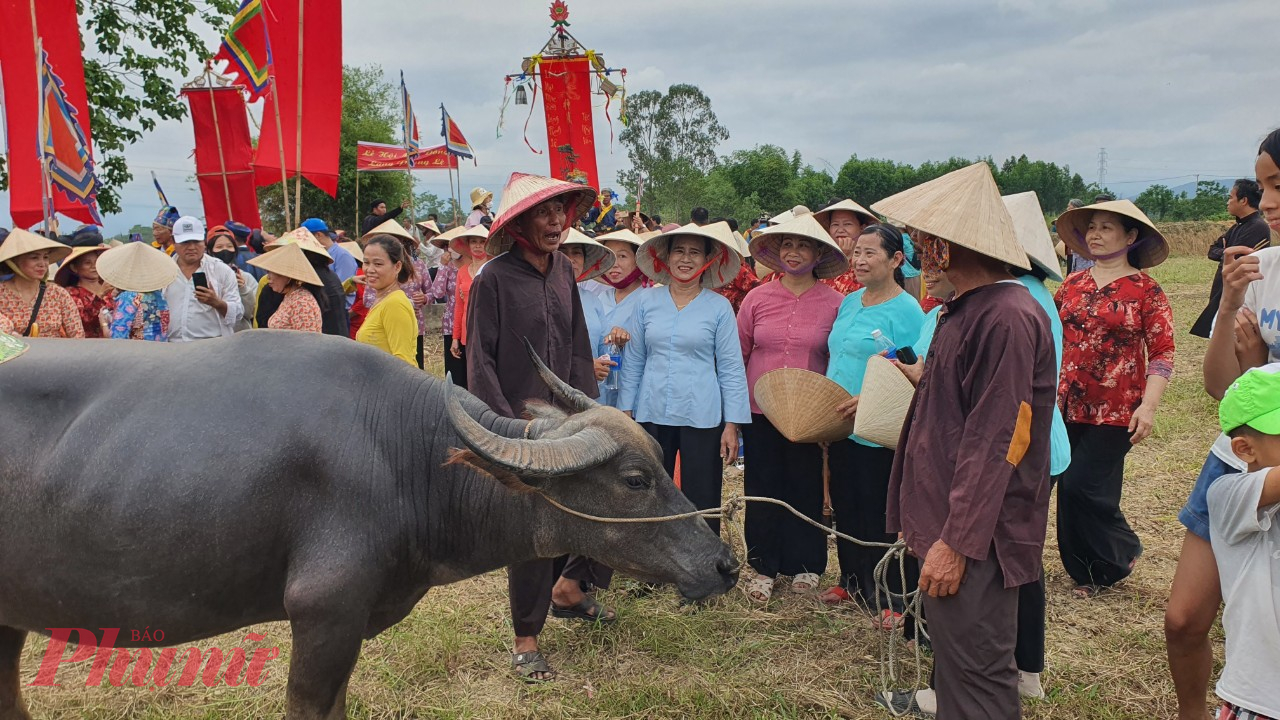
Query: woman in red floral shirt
<point>79,275</point>
<point>1117,358</point>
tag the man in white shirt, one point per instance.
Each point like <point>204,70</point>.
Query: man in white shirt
<point>1246,538</point>
<point>204,301</point>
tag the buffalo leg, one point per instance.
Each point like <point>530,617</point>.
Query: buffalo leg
<point>326,645</point>
<point>11,705</point>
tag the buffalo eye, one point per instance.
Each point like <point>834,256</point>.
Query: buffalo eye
<point>637,482</point>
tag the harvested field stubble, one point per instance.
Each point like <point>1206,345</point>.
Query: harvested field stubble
<point>733,659</point>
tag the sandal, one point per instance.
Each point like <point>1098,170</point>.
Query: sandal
<point>805,582</point>
<point>835,596</point>
<point>588,609</point>
<point>527,665</point>
<point>760,588</point>
<point>890,620</point>
<point>902,703</point>
<point>1086,592</point>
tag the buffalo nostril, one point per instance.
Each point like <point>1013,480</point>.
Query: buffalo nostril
<point>728,566</point>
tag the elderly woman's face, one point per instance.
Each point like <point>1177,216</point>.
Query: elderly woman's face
<point>279,283</point>
<point>544,225</point>
<point>845,229</point>
<point>34,265</point>
<point>86,267</point>
<point>687,255</point>
<point>577,257</point>
<point>797,254</point>
<point>871,264</point>
<point>626,260</point>
<point>1106,234</point>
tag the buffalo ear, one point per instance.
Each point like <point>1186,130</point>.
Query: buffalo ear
<point>497,472</point>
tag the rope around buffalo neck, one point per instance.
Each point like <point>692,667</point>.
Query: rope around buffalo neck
<point>896,553</point>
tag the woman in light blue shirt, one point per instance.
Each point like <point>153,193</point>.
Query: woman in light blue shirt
<point>618,291</point>
<point>683,377</point>
<point>859,468</point>
<point>590,260</point>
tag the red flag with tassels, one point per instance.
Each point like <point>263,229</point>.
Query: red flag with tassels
<point>56,23</point>
<point>224,155</point>
<point>306,53</point>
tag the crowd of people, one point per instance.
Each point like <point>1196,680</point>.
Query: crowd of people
<point>1018,388</point>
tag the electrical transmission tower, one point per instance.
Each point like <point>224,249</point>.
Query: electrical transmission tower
<point>1102,167</point>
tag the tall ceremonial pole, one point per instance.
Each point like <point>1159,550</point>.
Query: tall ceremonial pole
<point>297,191</point>
<point>46,191</point>
<point>284,171</point>
<point>222,163</point>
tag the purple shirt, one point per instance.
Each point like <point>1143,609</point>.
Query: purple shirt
<point>779,330</point>
<point>445,288</point>
<point>972,466</point>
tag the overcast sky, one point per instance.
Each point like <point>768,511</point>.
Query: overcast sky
<point>1171,88</point>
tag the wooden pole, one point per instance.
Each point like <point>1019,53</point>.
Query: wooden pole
<point>217,133</point>
<point>46,191</point>
<point>358,229</point>
<point>297,190</point>
<point>284,172</point>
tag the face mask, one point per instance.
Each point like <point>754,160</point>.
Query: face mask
<point>226,256</point>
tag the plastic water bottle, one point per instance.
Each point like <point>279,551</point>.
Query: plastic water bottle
<point>615,356</point>
<point>884,345</point>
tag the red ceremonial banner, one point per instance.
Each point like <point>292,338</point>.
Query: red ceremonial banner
<point>379,157</point>
<point>224,155</point>
<point>305,42</point>
<point>566,98</point>
<point>56,22</point>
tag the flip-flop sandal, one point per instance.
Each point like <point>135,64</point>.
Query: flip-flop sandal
<point>890,620</point>
<point>528,664</point>
<point>1086,592</point>
<point>588,609</point>
<point>835,596</point>
<point>805,583</point>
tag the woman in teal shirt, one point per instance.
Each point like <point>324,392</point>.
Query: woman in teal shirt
<point>859,468</point>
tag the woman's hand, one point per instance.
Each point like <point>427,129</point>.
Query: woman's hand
<point>1251,350</point>
<point>239,276</point>
<point>618,336</point>
<point>603,365</point>
<point>849,408</point>
<point>419,298</point>
<point>455,349</point>
<point>729,443</point>
<point>913,372</point>
<point>1143,420</point>
<point>357,279</point>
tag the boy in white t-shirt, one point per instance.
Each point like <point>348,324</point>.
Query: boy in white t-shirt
<point>1246,544</point>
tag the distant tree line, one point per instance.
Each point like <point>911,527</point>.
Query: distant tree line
<point>1163,205</point>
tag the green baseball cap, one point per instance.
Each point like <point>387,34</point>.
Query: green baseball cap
<point>1253,400</point>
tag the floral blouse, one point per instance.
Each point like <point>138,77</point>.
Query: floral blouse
<point>1112,339</point>
<point>140,316</point>
<point>298,311</point>
<point>59,317</point>
<point>91,307</point>
<point>844,284</point>
<point>445,288</point>
<point>736,291</point>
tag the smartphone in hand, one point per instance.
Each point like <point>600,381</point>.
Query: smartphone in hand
<point>200,280</point>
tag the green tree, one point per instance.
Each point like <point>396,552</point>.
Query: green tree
<point>1054,185</point>
<point>370,112</point>
<point>765,172</point>
<point>1157,201</point>
<point>427,203</point>
<point>869,181</point>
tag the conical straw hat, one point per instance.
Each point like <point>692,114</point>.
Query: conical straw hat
<point>461,239</point>
<point>831,261</point>
<point>1031,230</point>
<point>524,192</point>
<point>354,248</point>
<point>1151,246</point>
<point>962,207</point>
<point>597,260</point>
<point>429,226</point>
<point>802,405</point>
<point>303,238</point>
<point>62,276</point>
<point>21,242</point>
<point>883,404</point>
<point>289,261</point>
<point>390,227</point>
<point>727,265</point>
<point>626,236</point>
<point>445,239</point>
<point>137,267</point>
<point>864,215</point>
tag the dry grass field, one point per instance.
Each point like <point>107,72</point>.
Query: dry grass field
<point>733,659</point>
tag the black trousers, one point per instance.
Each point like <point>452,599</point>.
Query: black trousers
<point>777,541</point>
<point>1094,539</point>
<point>420,358</point>
<point>701,469</point>
<point>1029,652</point>
<point>529,586</point>
<point>859,497</point>
<point>456,367</point>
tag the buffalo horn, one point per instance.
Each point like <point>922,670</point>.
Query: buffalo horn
<point>573,398</point>
<point>532,458</point>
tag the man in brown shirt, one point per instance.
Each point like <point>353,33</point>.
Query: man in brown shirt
<point>528,291</point>
<point>969,489</point>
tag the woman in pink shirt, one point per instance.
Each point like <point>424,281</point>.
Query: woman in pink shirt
<point>785,324</point>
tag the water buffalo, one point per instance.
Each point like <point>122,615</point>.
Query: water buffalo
<point>201,488</point>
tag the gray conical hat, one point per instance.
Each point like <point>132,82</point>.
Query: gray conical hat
<point>1030,228</point>
<point>962,207</point>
